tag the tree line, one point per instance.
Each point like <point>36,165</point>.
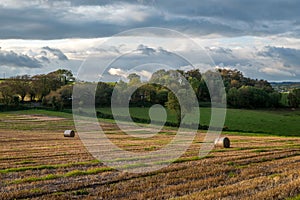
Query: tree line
<point>242,92</point>
<point>14,90</point>
<point>55,90</point>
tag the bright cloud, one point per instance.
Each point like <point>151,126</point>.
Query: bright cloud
<point>117,72</point>
<point>275,71</point>
<point>145,75</point>
<point>114,14</point>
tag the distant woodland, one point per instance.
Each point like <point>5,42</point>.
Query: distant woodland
<point>54,90</point>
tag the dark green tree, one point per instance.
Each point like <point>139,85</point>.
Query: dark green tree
<point>294,98</point>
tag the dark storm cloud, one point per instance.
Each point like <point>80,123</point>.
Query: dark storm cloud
<point>57,53</point>
<point>225,56</point>
<point>44,59</point>
<point>219,50</point>
<point>271,63</point>
<point>247,10</point>
<point>145,50</point>
<point>230,17</point>
<point>10,58</point>
<point>144,54</point>
<point>290,57</point>
<point>41,23</point>
<point>89,18</point>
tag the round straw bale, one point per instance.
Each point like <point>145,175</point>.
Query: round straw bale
<point>69,133</point>
<point>222,142</point>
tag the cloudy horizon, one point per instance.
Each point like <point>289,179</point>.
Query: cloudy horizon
<point>261,39</point>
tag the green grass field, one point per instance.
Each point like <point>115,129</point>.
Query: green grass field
<point>22,122</point>
<point>275,122</point>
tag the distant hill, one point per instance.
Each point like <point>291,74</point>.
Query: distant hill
<point>285,86</point>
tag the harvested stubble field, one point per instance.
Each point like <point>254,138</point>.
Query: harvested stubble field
<point>37,162</point>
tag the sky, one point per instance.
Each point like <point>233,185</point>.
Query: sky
<point>259,38</point>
